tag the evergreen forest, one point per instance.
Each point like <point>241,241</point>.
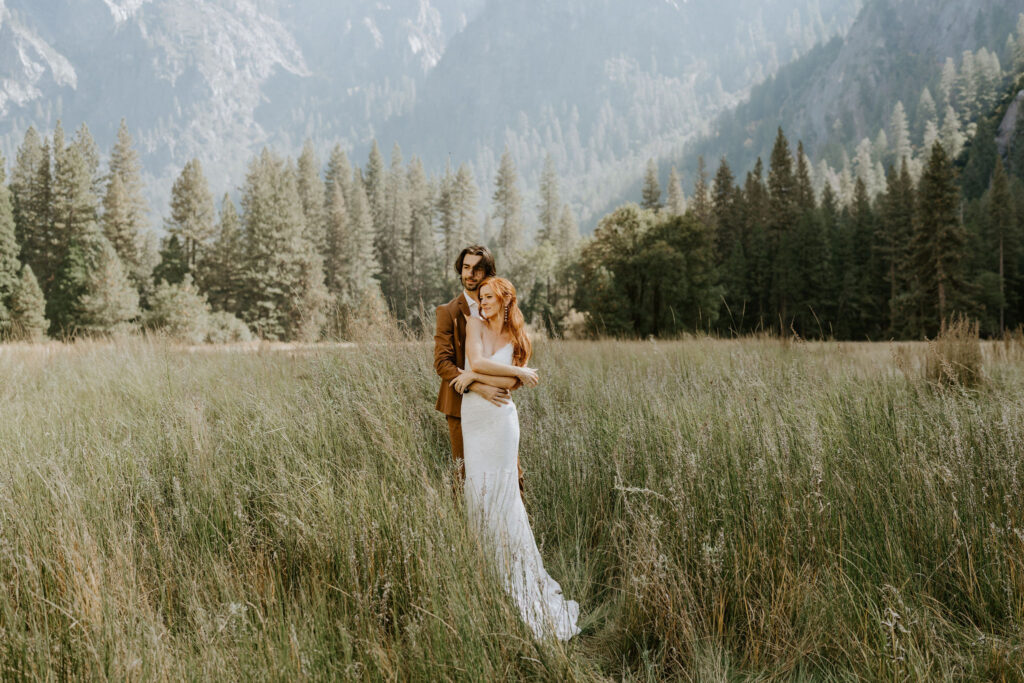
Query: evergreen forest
<point>926,223</point>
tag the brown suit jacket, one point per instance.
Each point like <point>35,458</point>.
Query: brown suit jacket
<point>450,352</point>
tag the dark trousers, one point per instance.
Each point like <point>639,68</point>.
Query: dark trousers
<point>455,436</point>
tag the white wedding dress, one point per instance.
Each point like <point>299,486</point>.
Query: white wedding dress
<point>490,436</point>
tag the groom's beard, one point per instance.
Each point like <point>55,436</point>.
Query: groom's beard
<point>470,287</point>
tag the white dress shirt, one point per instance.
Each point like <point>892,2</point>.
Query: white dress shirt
<point>474,307</point>
<point>474,310</point>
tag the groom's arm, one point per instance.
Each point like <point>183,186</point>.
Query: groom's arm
<point>444,345</point>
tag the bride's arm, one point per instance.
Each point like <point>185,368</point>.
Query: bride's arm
<point>465,377</point>
<point>474,351</point>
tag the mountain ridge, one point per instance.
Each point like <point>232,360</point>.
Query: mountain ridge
<point>218,79</point>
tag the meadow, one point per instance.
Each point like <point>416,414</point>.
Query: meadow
<point>722,510</point>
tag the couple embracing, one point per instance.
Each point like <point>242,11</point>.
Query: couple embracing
<point>480,351</point>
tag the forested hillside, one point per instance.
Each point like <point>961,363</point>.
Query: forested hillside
<point>599,86</point>
<point>906,73</point>
<point>769,252</point>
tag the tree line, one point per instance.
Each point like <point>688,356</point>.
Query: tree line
<point>309,252</point>
<point>771,254</point>
<point>333,250</point>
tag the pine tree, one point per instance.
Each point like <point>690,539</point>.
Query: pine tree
<point>74,213</point>
<point>285,297</point>
<point>125,164</point>
<point>339,172</point>
<point>651,191</point>
<point>966,87</point>
<point>568,232</point>
<point>173,264</point>
<point>1018,54</point>
<point>340,246</point>
<point>120,229</point>
<point>311,194</point>
<point>1002,222</point>
<point>809,254</point>
<point>864,167</point>
<point>385,241</point>
<point>28,308</point>
<point>508,210</point>
<point>447,217</point>
<point>192,213</point>
<point>856,314</point>
<point>125,208</point>
<point>339,241</point>
<point>75,206</point>
<point>220,275</point>
<point>782,214</point>
<point>804,187</point>
<point>895,229</point>
<point>938,243</point>
<point>899,135</point>
<point>92,294</point>
<point>391,243</point>
<point>989,74</point>
<point>729,239</point>
<point>981,161</point>
<point>31,189</point>
<point>701,202</point>
<point>756,249</point>
<point>90,153</point>
<point>675,203</point>
<point>880,148</point>
<point>9,263</point>
<point>550,202</point>
<point>464,198</point>
<point>829,213</point>
<point>947,83</point>
<point>422,258</point>
<point>108,301</point>
<point>374,184</point>
<point>359,302</point>
<point>362,275</point>
<point>926,110</point>
<point>931,134</point>
<point>950,135</point>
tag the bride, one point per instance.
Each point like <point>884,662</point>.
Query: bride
<point>497,349</point>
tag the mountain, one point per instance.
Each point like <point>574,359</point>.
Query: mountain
<point>600,85</point>
<point>839,97</point>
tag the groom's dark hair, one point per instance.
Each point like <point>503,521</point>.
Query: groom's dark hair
<point>477,250</point>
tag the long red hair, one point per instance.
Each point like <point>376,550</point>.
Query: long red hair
<point>512,318</point>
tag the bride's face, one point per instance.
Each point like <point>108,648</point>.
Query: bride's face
<point>489,303</point>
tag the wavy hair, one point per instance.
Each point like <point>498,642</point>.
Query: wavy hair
<point>513,321</point>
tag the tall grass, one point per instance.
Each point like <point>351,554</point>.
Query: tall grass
<point>720,510</point>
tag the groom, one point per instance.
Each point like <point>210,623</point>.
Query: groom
<point>473,265</point>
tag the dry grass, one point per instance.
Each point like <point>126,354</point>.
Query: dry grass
<point>721,510</point>
<point>954,357</point>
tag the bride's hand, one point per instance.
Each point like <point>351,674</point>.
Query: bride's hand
<point>528,376</point>
<point>462,382</point>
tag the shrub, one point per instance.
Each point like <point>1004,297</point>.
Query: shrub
<point>179,311</point>
<point>222,328</point>
<point>28,309</point>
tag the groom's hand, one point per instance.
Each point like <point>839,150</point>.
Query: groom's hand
<point>495,395</point>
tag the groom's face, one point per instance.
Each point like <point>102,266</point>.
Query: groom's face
<point>472,271</point>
